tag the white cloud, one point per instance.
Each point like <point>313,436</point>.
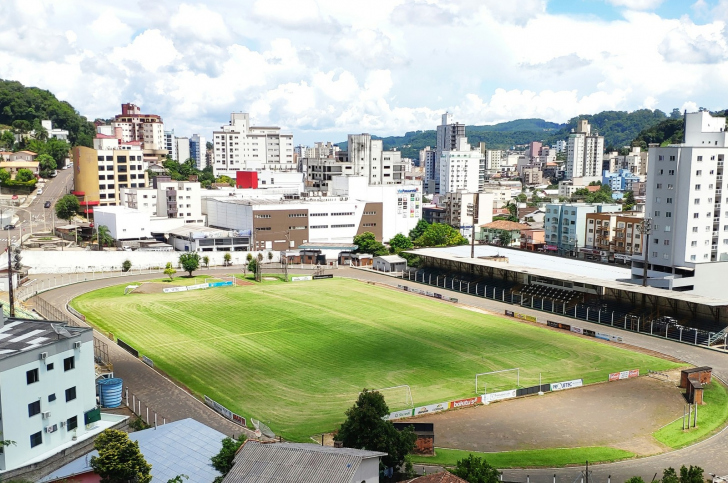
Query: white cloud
<point>691,44</point>
<point>150,49</point>
<point>636,4</point>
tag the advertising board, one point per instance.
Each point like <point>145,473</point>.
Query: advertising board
<point>616,376</point>
<point>219,284</point>
<point>225,412</point>
<point>319,277</point>
<point>510,313</point>
<point>529,318</point>
<point>497,396</point>
<point>404,413</point>
<point>577,330</point>
<point>560,386</point>
<point>174,289</point>
<point>146,360</point>
<point>603,336</point>
<point>463,403</point>
<point>301,279</point>
<point>199,286</point>
<point>431,408</point>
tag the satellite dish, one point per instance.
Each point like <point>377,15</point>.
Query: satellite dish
<point>61,330</point>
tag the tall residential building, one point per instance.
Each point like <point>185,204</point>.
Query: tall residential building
<point>197,150</point>
<point>170,144</point>
<point>183,149</point>
<point>460,168</point>
<point>565,225</point>
<point>240,146</point>
<point>460,210</point>
<point>428,161</point>
<point>166,198</point>
<point>99,174</point>
<point>584,152</point>
<point>614,236</point>
<point>685,199</point>
<point>493,159</point>
<point>448,134</point>
<point>135,126</point>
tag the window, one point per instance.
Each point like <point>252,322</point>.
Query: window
<point>342,214</point>
<point>668,200</point>
<point>695,229</point>
<point>659,186</point>
<point>68,364</point>
<point>666,242</point>
<point>370,224</point>
<point>71,393</point>
<point>699,172</point>
<point>658,200</point>
<point>697,187</point>
<point>693,243</point>
<point>696,201</point>
<point>342,226</point>
<point>49,367</point>
<point>671,172</point>
<point>696,215</point>
<point>51,397</point>
<point>668,214</point>
<point>700,158</point>
<point>33,408</point>
<point>31,376</point>
<point>657,213</point>
<point>669,186</point>
<point>661,158</point>
<point>297,215</point>
<point>692,258</point>
<point>321,214</point>
<point>318,226</point>
<point>656,241</point>
<point>71,423</point>
<point>36,439</point>
<point>654,254</point>
<point>262,216</point>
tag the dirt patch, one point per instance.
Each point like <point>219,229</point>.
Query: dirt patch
<point>151,287</point>
<point>621,414</point>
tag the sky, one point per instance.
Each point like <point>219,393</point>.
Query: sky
<point>324,68</point>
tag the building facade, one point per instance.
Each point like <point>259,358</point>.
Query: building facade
<point>613,236</point>
<point>135,126</point>
<point>99,174</point>
<point>460,169</point>
<point>584,153</point>
<point>198,147</point>
<point>167,198</point>
<point>565,225</point>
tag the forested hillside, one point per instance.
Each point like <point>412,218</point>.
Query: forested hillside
<point>24,107</point>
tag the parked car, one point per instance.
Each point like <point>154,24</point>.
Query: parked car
<point>9,227</point>
<point>47,204</point>
<point>40,192</point>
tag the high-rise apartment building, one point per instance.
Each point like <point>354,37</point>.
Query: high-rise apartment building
<point>240,146</point>
<point>584,152</point>
<point>687,201</point>
<point>460,168</point>
<point>135,126</point>
<point>99,174</point>
<point>448,134</point>
<point>183,149</point>
<point>170,144</point>
<point>197,150</point>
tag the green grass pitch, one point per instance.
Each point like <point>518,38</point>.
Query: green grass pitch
<point>297,354</point>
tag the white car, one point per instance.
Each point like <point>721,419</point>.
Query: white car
<point>40,192</point>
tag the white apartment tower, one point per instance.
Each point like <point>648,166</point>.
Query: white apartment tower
<point>448,134</point>
<point>584,152</point>
<point>460,168</point>
<point>183,149</point>
<point>240,146</point>
<point>369,159</point>
<point>687,199</point>
<point>170,144</point>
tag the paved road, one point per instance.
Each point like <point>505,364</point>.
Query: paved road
<point>168,399</point>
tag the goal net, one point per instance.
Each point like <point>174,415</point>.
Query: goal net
<point>496,381</point>
<point>130,288</point>
<point>397,397</point>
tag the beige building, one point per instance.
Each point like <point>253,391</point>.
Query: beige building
<point>613,235</point>
<point>13,166</point>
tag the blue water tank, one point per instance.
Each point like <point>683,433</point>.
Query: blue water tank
<point>110,392</point>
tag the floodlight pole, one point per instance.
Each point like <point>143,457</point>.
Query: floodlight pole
<point>646,229</point>
<point>475,222</point>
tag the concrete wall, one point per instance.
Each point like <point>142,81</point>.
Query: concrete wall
<point>90,261</point>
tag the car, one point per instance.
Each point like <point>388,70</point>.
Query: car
<point>47,204</point>
<point>9,227</point>
<point>40,192</point>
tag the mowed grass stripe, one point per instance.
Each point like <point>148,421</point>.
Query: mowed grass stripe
<point>297,354</point>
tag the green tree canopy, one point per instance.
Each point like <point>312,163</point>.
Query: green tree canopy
<point>400,242</point>
<point>67,207</point>
<point>103,236</point>
<point>476,470</point>
<point>190,262</point>
<point>169,270</point>
<point>223,461</point>
<point>7,139</point>
<point>119,459</point>
<point>47,165</point>
<point>440,235</point>
<point>364,428</point>
<point>693,474</point>
<point>367,243</point>
<point>628,201</point>
<point>418,230</point>
<point>253,265</point>
<point>24,175</point>
<point>4,175</point>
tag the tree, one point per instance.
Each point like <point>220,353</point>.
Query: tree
<point>179,479</point>
<point>694,474</point>
<point>364,428</point>
<point>67,207</point>
<point>47,165</point>
<point>119,459</point>
<point>169,270</point>
<point>505,237</point>
<point>367,243</point>
<point>223,460</point>
<point>103,236</point>
<point>270,256</point>
<point>522,198</point>
<point>226,180</point>
<point>476,470</point>
<point>24,175</point>
<point>227,257</point>
<point>189,262</point>
<point>400,242</point>
<point>249,257</point>
<point>440,235</point>
<point>635,479</point>
<point>206,261</point>
<point>253,266</point>
<point>126,265</point>
<point>418,230</point>
<point>4,175</point>
<point>7,140</point>
<point>628,201</point>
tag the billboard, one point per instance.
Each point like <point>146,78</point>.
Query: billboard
<point>497,396</point>
<point>560,386</point>
<point>404,413</point>
<point>432,408</point>
<point>302,278</point>
<point>225,412</point>
<point>463,403</point>
<point>174,289</point>
<point>616,376</point>
<point>577,330</point>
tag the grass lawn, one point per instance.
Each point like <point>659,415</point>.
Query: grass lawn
<point>295,355</point>
<point>711,417</point>
<point>529,458</point>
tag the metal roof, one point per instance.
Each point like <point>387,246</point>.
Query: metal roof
<point>20,335</point>
<point>180,447</point>
<point>560,268</point>
<point>391,258</point>
<point>296,463</point>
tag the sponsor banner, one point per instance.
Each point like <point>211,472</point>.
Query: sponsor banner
<point>497,396</point>
<point>615,338</point>
<point>301,279</point>
<point>174,289</point>
<point>553,324</point>
<point>146,360</point>
<point>319,277</point>
<point>577,330</point>
<point>225,412</point>
<point>429,294</point>
<point>510,313</point>
<point>431,408</point>
<point>199,286</point>
<point>127,348</point>
<point>603,336</point>
<point>463,403</point>
<point>219,284</point>
<point>616,376</point>
<point>590,333</point>
<point>404,413</point>
<point>619,256</point>
<point>560,386</point>
<point>529,318</point>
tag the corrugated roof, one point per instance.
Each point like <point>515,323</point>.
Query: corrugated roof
<point>20,335</point>
<point>505,225</point>
<point>296,463</point>
<point>442,477</point>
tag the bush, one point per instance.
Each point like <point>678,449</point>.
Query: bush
<point>126,266</point>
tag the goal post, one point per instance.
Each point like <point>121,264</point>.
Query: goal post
<point>397,396</point>
<point>497,379</point>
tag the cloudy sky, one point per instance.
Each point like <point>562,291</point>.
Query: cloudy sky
<point>324,68</point>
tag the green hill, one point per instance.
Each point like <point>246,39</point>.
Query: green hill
<point>24,107</point>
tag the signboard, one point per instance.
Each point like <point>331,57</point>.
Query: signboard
<point>498,396</point>
<point>529,318</point>
<point>197,287</point>
<point>603,336</point>
<point>319,277</point>
<point>577,330</point>
<point>146,360</point>
<point>432,408</point>
<point>127,348</point>
<point>301,279</point>
<point>510,313</point>
<point>463,403</point>
<point>174,289</point>
<point>404,413</point>
<point>560,386</point>
<point>225,412</point>
<point>616,376</point>
<point>619,256</point>
<point>551,247</point>
<point>219,284</point>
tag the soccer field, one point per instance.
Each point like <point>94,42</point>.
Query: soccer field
<point>297,354</point>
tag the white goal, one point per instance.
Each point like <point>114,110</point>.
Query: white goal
<point>495,381</point>
<point>397,397</point>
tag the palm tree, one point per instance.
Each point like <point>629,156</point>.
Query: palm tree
<point>103,236</point>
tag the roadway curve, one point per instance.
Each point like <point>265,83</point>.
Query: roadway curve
<point>175,403</point>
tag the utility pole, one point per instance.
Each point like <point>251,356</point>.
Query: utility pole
<point>645,229</point>
<point>475,223</point>
<point>11,294</point>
